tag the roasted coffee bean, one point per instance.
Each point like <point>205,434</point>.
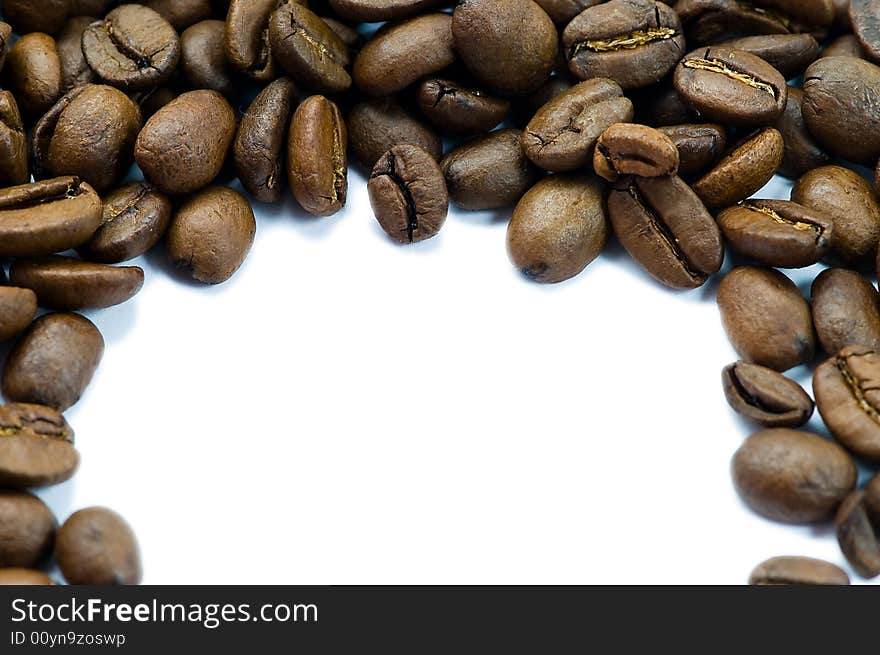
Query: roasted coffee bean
<point>27,529</point>
<point>731,87</point>
<point>793,477</point>
<point>53,362</point>
<point>181,14</point>
<point>802,153</point>
<point>459,109</point>
<point>629,149</point>
<point>743,171</point>
<point>790,54</point>
<point>872,499</point>
<point>75,69</point>
<point>376,126</point>
<point>92,7</point>
<point>5,42</point>
<point>558,228</point>
<point>408,194</point>
<point>310,52</point>
<point>842,22</point>
<point>20,577</point>
<point>847,395</point>
<point>133,48</point>
<point>317,160</point>
<point>699,146</point>
<point>183,146</point>
<point>798,571</point>
<point>203,57</point>
<point>18,307</point>
<point>525,107</point>
<point>846,310</point>
<point>349,35</point>
<point>95,546</point>
<point>859,535</point>
<point>247,38</point>
<point>211,234</point>
<point>562,11</point>
<point>152,101</point>
<point>666,228</point>
<point>90,132</point>
<point>766,396</point>
<point>374,11</point>
<point>13,143</point>
<point>259,144</point>
<point>708,21</point>
<point>489,172</point>
<point>36,446</point>
<point>633,42</point>
<point>777,232</point>
<point>29,16</point>
<point>766,318</point>
<point>845,46</point>
<point>491,40</point>
<point>47,217</point>
<point>661,105</point>
<point>33,72</point>
<point>865,18</point>
<point>564,132</point>
<point>849,201</point>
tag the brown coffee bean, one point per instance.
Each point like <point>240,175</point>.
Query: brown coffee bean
<point>846,310</point>
<point>562,11</point>
<point>36,446</point>
<point>798,571</point>
<point>766,396</point>
<point>317,160</point>
<point>180,14</point>
<point>376,126</point>
<point>408,194</point>
<point>95,546</point>
<point>802,153</point>
<point>28,16</point>
<point>790,54</point>
<point>708,21</point>
<point>203,57</point>
<point>847,45</point>
<point>766,318</point>
<point>211,234</point>
<point>75,69</point>
<point>700,146</point>
<point>33,71</point>
<point>20,577</point>
<point>527,106</point>
<point>459,109</point>
<point>865,21</point>
<point>662,105</point>
<point>92,7</point>
<point>247,38</point>
<point>27,529</point>
<point>18,307</point>
<point>629,149</point>
<point>374,11</point>
<point>183,146</point>
<point>349,35</point>
<point>5,42</point>
<point>859,535</point>
<point>793,477</point>
<point>13,143</point>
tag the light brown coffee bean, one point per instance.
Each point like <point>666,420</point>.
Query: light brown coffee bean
<point>846,310</point>
<point>33,69</point>
<point>798,571</point>
<point>766,396</point>
<point>18,307</point>
<point>629,149</point>
<point>95,546</point>
<point>247,38</point>
<point>36,446</point>
<point>27,529</point>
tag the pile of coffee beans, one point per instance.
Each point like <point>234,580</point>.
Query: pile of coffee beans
<point>648,122</point>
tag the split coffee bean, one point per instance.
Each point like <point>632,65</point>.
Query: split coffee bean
<point>33,72</point>
<point>13,143</point>
<point>699,146</point>
<point>765,396</point>
<point>858,532</point>
<point>459,109</point>
<point>36,447</point>
<point>95,546</point>
<point>846,310</point>
<point>376,126</point>
<point>798,571</point>
<point>18,307</point>
<point>628,149</point>
<point>27,529</point>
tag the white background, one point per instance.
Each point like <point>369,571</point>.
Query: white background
<point>347,410</point>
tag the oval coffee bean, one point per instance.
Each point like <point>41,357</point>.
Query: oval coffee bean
<point>317,159</point>
<point>790,54</point>
<point>408,194</point>
<point>802,153</point>
<point>791,476</point>
<point>846,310</point>
<point>456,108</point>
<point>777,232</point>
<point>183,146</point>
<point>699,146</point>
<point>558,228</point>
<point>489,172</point>
<point>46,217</point>
<point>633,42</point>
<point>866,25</point>
<point>74,67</point>
<point>20,577</point>
<point>28,16</point>
<point>666,229</point>
<point>18,307</point>
<point>33,71</point>
<point>5,42</point>
<point>203,57</point>
<point>247,38</point>
<point>27,529</point>
<point>180,14</point>
<point>490,39</point>
<point>858,534</point>
<point>766,396</point>
<point>766,318</point>
<point>629,149</point>
<point>376,126</point>
<point>36,446</point>
<point>564,132</point>
<point>95,546</point>
<point>374,11</point>
<point>13,143</point>
<point>211,234</point>
<point>798,571</point>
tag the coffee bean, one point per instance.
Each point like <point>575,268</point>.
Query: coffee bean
<point>790,54</point>
<point>872,499</point>
<point>374,11</point>
<point>247,38</point>
<point>765,396</point>
<point>203,57</point>
<point>5,42</point>
<point>865,18</point>
<point>661,105</point>
<point>564,132</point>
<point>791,476</point>
<point>211,234</point>
<point>859,535</point>
<point>95,546</point>
<point>133,48</point>
<point>845,46</point>
<point>18,307</point>
<point>562,11</point>
<point>633,42</point>
<point>699,146</point>
<point>46,217</point>
<point>766,318</point>
<point>27,529</point>
<point>183,146</point>
<point>53,363</point>
<point>28,16</point>
<point>181,14</point>
<point>33,73</point>
<point>459,109</point>
<point>666,229</point>
<point>376,126</point>
<point>491,41</point>
<point>92,7</point>
<point>36,446</point>
<point>777,232</point>
<point>13,143</point>
<point>842,21</point>
<point>802,153</point>
<point>846,310</point>
<point>74,67</point>
<point>408,194</point>
<point>20,577</point>
<point>628,149</point>
<point>798,571</point>
<point>349,35</point>
<point>317,160</point>
<point>709,21</point>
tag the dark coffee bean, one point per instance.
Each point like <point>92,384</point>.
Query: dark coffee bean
<point>203,57</point>
<point>802,153</point>
<point>790,54</point>
<point>95,546</point>
<point>211,234</point>
<point>91,133</point>
<point>564,132</point>
<point>181,14</point>
<point>562,11</point>
<point>846,310</point>
<point>36,446</point>
<point>842,22</point>
<point>798,571</point>
<point>27,529</point>
<point>872,499</point>
<point>629,149</point>
<point>661,105</point>
<point>743,171</point>
<point>459,109</point>
<point>133,48</point>
<point>847,45</point>
<point>633,42</point>
<point>489,172</point>
<point>700,146</point>
<point>92,7</point>
<point>865,18</point>
<point>374,11</point>
<point>766,318</point>
<point>765,396</point>
<point>259,144</point>
<point>408,194</point>
<point>47,217</point>
<point>376,126</point>
<point>526,106</point>
<point>29,16</point>
<point>247,38</point>
<point>152,101</point>
<point>491,40</point>
<point>777,232</point>
<point>5,42</point>
<point>183,146</point>
<point>847,395</point>
<point>859,535</point>
<point>665,227</point>
<point>13,143</point>
<point>19,577</point>
<point>75,69</point>
<point>349,35</point>
<point>791,476</point>
<point>849,201</point>
<point>18,307</point>
<point>33,72</point>
<point>708,21</point>
<point>317,160</point>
